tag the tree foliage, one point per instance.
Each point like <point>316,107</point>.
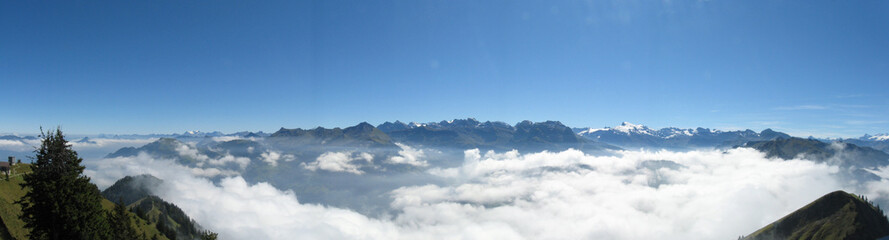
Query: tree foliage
<point>208,235</point>
<point>61,202</point>
<point>120,223</point>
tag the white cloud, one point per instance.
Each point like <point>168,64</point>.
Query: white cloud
<point>569,195</point>
<point>230,138</point>
<point>186,150</point>
<point>106,171</point>
<point>273,157</point>
<point>109,143</point>
<point>24,145</point>
<point>803,107</point>
<point>339,162</point>
<point>410,156</point>
<point>564,195</point>
<point>13,145</point>
<point>238,210</point>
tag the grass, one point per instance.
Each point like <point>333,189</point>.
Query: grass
<point>11,191</point>
<point>12,227</point>
<point>838,215</point>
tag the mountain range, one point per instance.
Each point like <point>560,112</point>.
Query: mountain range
<point>629,135</point>
<point>494,135</point>
<point>375,156</point>
<point>470,133</point>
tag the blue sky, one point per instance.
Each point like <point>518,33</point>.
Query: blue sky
<point>805,67</point>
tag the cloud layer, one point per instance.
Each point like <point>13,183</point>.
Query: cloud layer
<point>410,156</point>
<point>564,195</point>
<point>340,162</point>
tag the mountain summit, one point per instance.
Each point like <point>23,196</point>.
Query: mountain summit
<point>837,215</point>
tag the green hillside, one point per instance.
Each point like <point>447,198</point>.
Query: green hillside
<point>10,191</point>
<point>837,215</point>
<point>136,193</point>
<point>11,227</point>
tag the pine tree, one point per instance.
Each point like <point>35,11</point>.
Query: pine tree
<point>61,203</point>
<point>121,227</point>
<point>208,235</point>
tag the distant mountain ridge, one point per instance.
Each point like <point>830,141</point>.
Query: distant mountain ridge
<point>852,155</point>
<point>471,133</point>
<point>630,135</point>
<point>363,134</point>
<point>878,141</point>
<point>855,162</point>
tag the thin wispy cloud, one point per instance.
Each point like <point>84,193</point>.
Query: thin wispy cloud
<point>802,107</point>
<point>865,122</point>
<point>852,96</point>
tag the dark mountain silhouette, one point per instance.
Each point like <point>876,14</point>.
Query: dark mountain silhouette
<point>162,148</point>
<point>361,135</point>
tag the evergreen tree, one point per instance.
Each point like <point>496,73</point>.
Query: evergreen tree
<point>121,227</point>
<point>61,203</point>
<point>208,235</point>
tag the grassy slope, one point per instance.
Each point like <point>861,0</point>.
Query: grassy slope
<point>838,215</point>
<point>14,228</point>
<point>10,191</point>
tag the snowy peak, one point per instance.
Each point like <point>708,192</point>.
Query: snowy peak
<point>199,134</point>
<point>637,135</point>
<point>675,132</point>
<point>591,130</point>
<point>627,127</point>
<point>878,137</point>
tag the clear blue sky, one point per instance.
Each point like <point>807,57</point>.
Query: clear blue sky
<point>805,67</point>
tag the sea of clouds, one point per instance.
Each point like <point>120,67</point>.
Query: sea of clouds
<point>713,194</point>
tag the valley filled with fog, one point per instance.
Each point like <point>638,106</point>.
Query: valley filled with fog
<point>275,187</point>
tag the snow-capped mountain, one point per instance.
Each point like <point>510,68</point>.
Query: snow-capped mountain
<point>878,137</point>
<point>630,135</point>
<point>199,134</point>
<point>878,141</point>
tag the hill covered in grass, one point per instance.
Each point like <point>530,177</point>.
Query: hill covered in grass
<point>837,215</point>
<point>12,227</point>
<point>136,192</point>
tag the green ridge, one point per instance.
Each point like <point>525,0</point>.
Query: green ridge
<point>837,215</point>
<point>12,227</point>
